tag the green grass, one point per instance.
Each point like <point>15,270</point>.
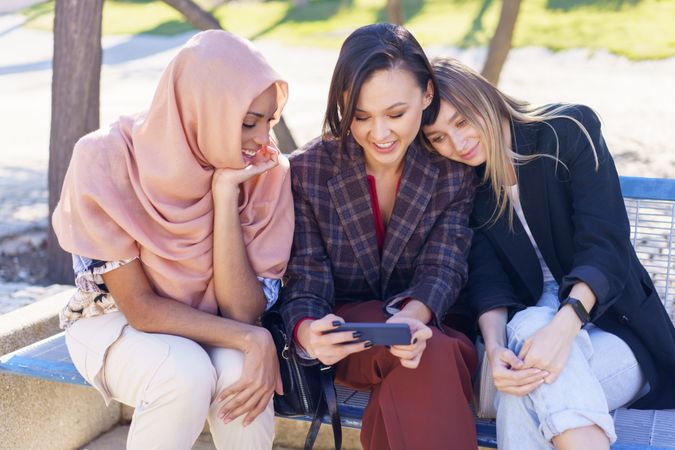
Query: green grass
<point>637,29</point>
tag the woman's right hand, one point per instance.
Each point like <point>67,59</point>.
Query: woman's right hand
<point>228,180</point>
<point>259,379</point>
<point>329,348</point>
<point>508,376</point>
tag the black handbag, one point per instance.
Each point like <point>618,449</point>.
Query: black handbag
<point>309,391</point>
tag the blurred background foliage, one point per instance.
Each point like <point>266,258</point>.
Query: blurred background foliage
<point>637,29</point>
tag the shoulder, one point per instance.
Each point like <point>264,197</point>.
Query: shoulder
<point>454,175</point>
<point>315,162</point>
<point>569,117</point>
<point>317,152</point>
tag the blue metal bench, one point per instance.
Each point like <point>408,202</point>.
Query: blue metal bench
<point>651,208</point>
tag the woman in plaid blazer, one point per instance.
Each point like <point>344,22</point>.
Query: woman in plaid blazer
<point>382,235</point>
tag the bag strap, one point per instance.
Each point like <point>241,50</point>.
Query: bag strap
<point>329,399</point>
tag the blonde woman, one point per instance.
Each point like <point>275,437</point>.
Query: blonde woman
<point>572,324</point>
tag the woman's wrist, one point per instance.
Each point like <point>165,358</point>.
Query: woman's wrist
<point>415,309</point>
<point>302,336</point>
<point>567,322</point>
<point>226,191</point>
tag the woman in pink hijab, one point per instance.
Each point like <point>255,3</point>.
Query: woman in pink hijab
<point>180,221</point>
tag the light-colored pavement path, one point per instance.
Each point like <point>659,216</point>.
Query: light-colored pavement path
<point>636,101</point>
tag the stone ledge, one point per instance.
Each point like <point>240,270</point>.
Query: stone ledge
<point>31,323</point>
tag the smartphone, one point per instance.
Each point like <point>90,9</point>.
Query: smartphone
<point>378,333</point>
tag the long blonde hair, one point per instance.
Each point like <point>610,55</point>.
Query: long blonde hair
<point>485,107</point>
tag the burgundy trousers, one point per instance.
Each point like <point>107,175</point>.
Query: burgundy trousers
<point>426,408</point>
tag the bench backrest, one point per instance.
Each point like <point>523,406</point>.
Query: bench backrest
<point>650,204</point>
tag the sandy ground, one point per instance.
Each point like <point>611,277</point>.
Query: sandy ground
<point>634,99</point>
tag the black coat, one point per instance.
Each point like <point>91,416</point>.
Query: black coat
<point>578,219</point>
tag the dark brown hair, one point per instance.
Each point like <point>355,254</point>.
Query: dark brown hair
<point>381,46</point>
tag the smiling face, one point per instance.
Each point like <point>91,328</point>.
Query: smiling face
<point>454,137</point>
<point>255,129</point>
<point>388,116</point>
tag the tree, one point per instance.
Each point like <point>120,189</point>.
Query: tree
<point>500,44</point>
<point>395,12</point>
<point>75,103</point>
<point>199,18</point>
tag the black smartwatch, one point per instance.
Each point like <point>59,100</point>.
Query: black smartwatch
<point>578,307</point>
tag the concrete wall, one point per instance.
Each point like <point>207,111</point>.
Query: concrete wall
<point>40,414</point>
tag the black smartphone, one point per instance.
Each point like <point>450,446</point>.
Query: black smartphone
<point>378,333</point>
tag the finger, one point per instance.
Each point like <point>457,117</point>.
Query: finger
<point>279,385</point>
<point>257,168</point>
<point>329,322</point>
<point>256,411</point>
<point>519,377</point>
<point>336,353</point>
<point>552,377</point>
<point>405,351</point>
<point>411,363</point>
<point>422,334</point>
<point>409,352</point>
<point>336,338</point>
<point>525,350</point>
<point>521,391</point>
<point>237,400</point>
<point>243,407</point>
<point>511,359</point>
<point>231,391</point>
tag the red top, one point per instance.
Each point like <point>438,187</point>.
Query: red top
<point>377,214</point>
<point>380,230</point>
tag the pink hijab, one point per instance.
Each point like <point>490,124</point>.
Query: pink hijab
<point>142,188</point>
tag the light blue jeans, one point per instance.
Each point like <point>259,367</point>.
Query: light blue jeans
<point>601,375</point>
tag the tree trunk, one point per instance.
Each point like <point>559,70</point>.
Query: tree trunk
<point>500,44</point>
<point>199,18</point>
<point>283,133</point>
<point>75,103</point>
<point>395,12</point>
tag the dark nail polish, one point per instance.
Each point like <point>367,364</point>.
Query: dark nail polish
<point>368,344</point>
<point>336,323</point>
<point>357,334</point>
<point>414,341</point>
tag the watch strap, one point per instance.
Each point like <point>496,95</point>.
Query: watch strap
<point>578,308</point>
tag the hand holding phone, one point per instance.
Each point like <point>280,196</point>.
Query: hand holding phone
<point>377,333</point>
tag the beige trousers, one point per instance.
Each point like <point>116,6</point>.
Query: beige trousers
<point>171,381</point>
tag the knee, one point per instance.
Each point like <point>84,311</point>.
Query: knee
<point>527,322</point>
<point>511,408</point>
<point>229,364</point>
<point>186,378</point>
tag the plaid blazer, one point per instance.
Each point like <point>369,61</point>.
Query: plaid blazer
<point>335,257</point>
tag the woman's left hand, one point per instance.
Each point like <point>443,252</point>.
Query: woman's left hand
<point>228,180</point>
<point>260,378</point>
<point>410,355</point>
<point>549,348</point>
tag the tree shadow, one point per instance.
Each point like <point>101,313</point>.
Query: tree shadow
<point>138,46</point>
<point>315,11</point>
<point>567,5</point>
<point>31,13</point>
<point>410,9</point>
<point>470,39</point>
